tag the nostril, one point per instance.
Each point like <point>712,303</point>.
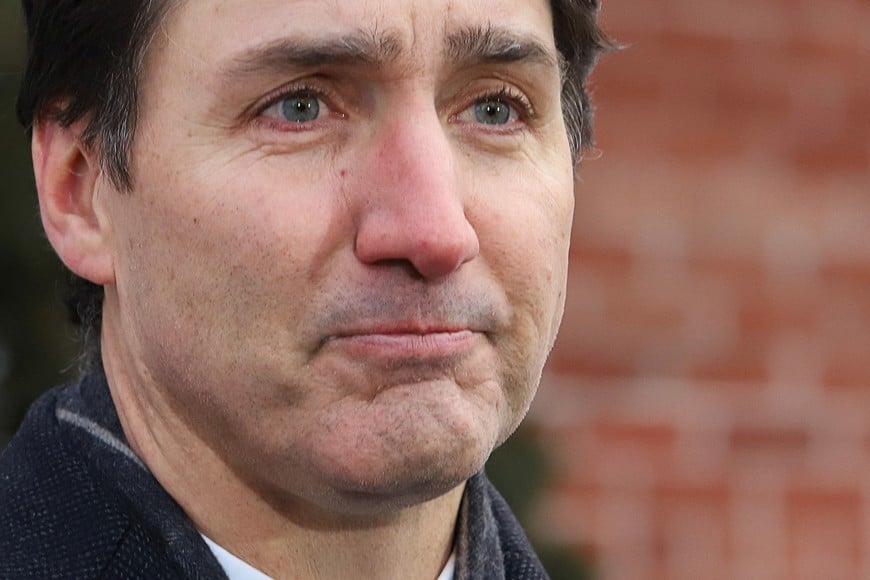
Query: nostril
<point>399,264</point>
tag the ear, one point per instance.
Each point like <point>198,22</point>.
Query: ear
<point>69,184</point>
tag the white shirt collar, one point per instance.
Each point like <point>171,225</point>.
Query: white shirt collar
<point>449,568</point>
<point>237,569</point>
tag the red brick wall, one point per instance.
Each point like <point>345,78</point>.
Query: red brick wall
<point>707,406</point>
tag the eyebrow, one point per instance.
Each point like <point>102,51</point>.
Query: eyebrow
<point>492,45</point>
<point>360,48</point>
<point>465,48</point>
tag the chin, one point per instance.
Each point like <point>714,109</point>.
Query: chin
<point>407,445</point>
<point>409,478</point>
<point>398,494</point>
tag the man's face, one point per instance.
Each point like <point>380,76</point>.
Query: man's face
<point>343,262</point>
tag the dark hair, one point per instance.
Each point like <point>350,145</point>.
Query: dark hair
<point>580,41</point>
<point>84,63</point>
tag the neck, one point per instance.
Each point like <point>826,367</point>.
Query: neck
<point>414,543</point>
<point>286,537</point>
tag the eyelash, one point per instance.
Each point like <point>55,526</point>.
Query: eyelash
<point>511,96</point>
<point>286,92</point>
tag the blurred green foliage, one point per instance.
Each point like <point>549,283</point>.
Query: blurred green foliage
<point>38,346</point>
<point>519,470</point>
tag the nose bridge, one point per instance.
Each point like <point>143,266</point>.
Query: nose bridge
<point>416,164</point>
<point>414,207</point>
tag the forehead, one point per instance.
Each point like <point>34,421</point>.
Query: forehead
<point>219,30</point>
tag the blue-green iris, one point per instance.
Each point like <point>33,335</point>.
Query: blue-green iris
<point>492,112</point>
<point>300,109</point>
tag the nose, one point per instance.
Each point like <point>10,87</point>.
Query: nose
<point>412,206</point>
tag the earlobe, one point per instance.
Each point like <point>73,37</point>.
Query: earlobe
<point>69,188</point>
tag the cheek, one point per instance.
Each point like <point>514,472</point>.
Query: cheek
<point>218,255</point>
<point>525,234</point>
<point>529,255</point>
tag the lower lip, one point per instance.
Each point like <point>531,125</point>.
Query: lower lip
<point>399,346</point>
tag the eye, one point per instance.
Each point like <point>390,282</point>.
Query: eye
<point>502,110</point>
<point>494,112</point>
<point>297,107</point>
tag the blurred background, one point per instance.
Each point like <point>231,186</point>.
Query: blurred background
<point>706,411</point>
